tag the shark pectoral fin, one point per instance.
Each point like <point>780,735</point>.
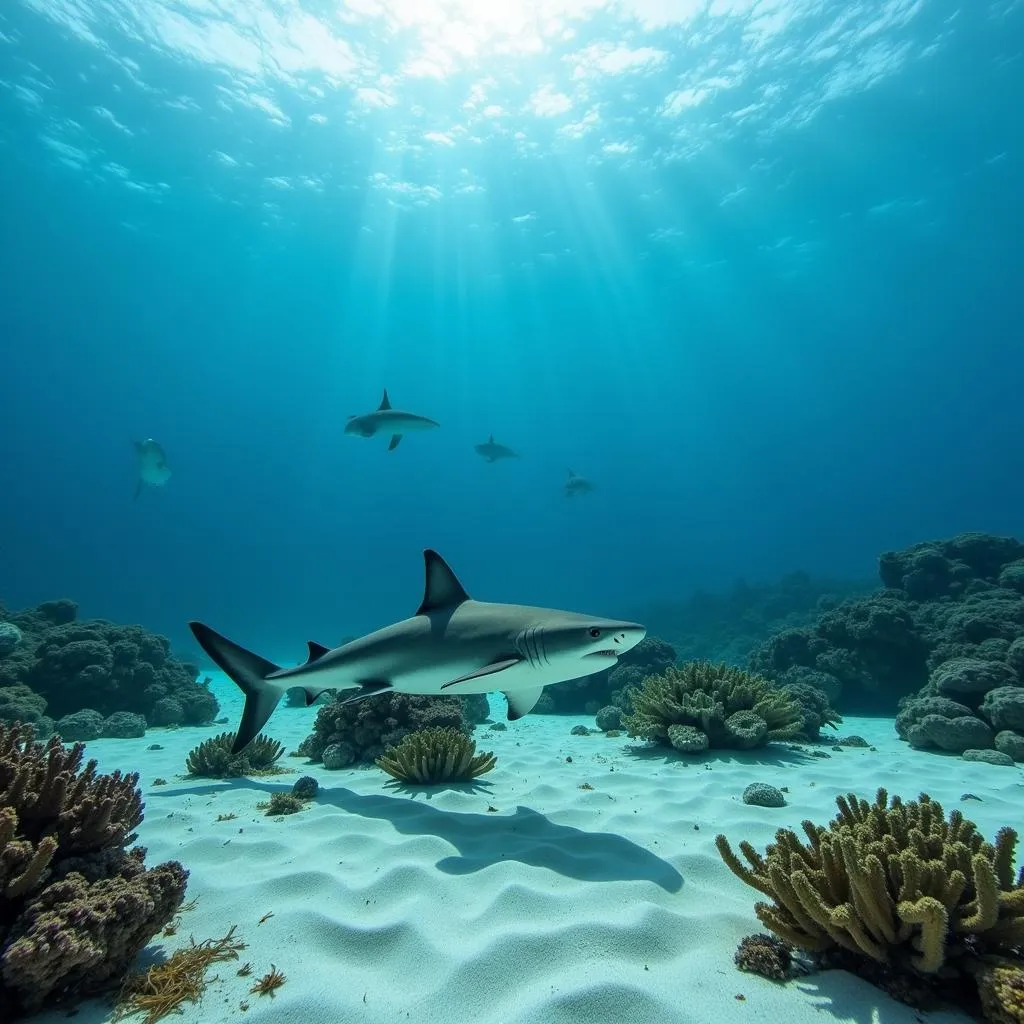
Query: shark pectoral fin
<point>368,689</point>
<point>487,670</point>
<point>395,438</point>
<point>522,702</point>
<point>312,694</point>
<point>316,652</point>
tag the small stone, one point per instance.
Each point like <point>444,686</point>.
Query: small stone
<point>580,730</point>
<point>306,787</point>
<point>989,757</point>
<point>760,794</point>
<point>852,741</point>
<point>155,746</point>
<point>1010,743</point>
<point>820,753</point>
<point>497,727</point>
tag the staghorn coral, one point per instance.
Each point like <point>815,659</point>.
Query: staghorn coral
<point>212,758</point>
<point>728,706</point>
<point>435,755</point>
<point>895,883</point>
<point>76,906</point>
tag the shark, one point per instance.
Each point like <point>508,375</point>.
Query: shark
<point>153,470</point>
<point>577,485</point>
<point>385,419</point>
<point>492,451</point>
<point>451,645</point>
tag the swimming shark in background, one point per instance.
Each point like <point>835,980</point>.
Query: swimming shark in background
<point>389,421</point>
<point>153,470</point>
<point>577,485</point>
<point>492,451</point>
<point>452,645</point>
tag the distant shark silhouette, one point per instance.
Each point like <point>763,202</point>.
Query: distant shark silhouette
<point>152,469</point>
<point>386,420</point>
<point>452,644</point>
<point>492,451</point>
<point>577,485</point>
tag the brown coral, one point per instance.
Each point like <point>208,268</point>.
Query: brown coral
<point>728,706</point>
<point>75,906</point>
<point>431,756</point>
<point>896,883</point>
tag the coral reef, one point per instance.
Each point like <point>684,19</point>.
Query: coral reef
<point>76,904</point>
<point>348,734</point>
<point>213,758</point>
<point>893,883</point>
<point>702,705</point>
<point>943,640</point>
<point>101,666</point>
<point>431,756</point>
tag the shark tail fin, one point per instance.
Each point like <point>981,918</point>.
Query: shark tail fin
<point>249,673</point>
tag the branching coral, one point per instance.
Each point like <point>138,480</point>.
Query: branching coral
<point>431,756</point>
<point>730,707</point>
<point>75,906</point>
<point>898,883</point>
<point>213,759</point>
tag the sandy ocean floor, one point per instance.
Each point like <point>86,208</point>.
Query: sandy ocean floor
<point>529,898</point>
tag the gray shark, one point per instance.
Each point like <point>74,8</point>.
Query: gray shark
<point>152,470</point>
<point>577,485</point>
<point>452,645</point>
<point>386,420</point>
<point>492,451</point>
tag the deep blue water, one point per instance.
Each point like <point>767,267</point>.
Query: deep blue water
<point>753,268</point>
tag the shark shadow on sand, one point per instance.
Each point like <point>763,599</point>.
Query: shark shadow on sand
<point>485,839</point>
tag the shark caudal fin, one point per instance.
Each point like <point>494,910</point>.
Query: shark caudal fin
<point>249,673</point>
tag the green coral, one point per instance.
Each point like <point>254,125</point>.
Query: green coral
<point>430,756</point>
<point>897,883</point>
<point>213,758</point>
<point>730,707</point>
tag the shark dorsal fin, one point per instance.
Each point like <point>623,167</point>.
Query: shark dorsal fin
<point>442,588</point>
<point>385,402</point>
<point>490,440</point>
<point>571,474</point>
<point>316,651</point>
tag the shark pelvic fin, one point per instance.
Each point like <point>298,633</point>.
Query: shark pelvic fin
<point>249,673</point>
<point>316,651</point>
<point>385,402</point>
<point>441,589</point>
<point>522,702</point>
<point>311,693</point>
<point>487,670</point>
<point>395,438</point>
<point>368,689</point>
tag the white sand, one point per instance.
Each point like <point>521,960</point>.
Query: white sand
<point>602,906</point>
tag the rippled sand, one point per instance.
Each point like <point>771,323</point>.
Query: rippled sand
<point>578,881</point>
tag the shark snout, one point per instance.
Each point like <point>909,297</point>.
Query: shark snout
<point>619,639</point>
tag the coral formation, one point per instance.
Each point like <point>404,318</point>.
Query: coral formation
<point>434,755</point>
<point>282,803</point>
<point>76,905</point>
<point>347,734</point>
<point>703,705</point>
<point>102,666</point>
<point>763,954</point>
<point>944,639</point>
<point>213,758</point>
<point>899,884</point>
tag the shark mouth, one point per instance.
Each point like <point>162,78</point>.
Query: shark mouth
<point>607,653</point>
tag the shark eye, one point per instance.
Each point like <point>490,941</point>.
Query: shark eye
<point>595,632</point>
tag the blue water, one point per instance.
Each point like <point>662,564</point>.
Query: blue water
<point>753,268</point>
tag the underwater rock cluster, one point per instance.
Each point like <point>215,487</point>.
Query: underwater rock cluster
<point>701,705</point>
<point>948,623</point>
<point>76,904</point>
<point>360,732</point>
<point>92,674</point>
<point>901,893</point>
